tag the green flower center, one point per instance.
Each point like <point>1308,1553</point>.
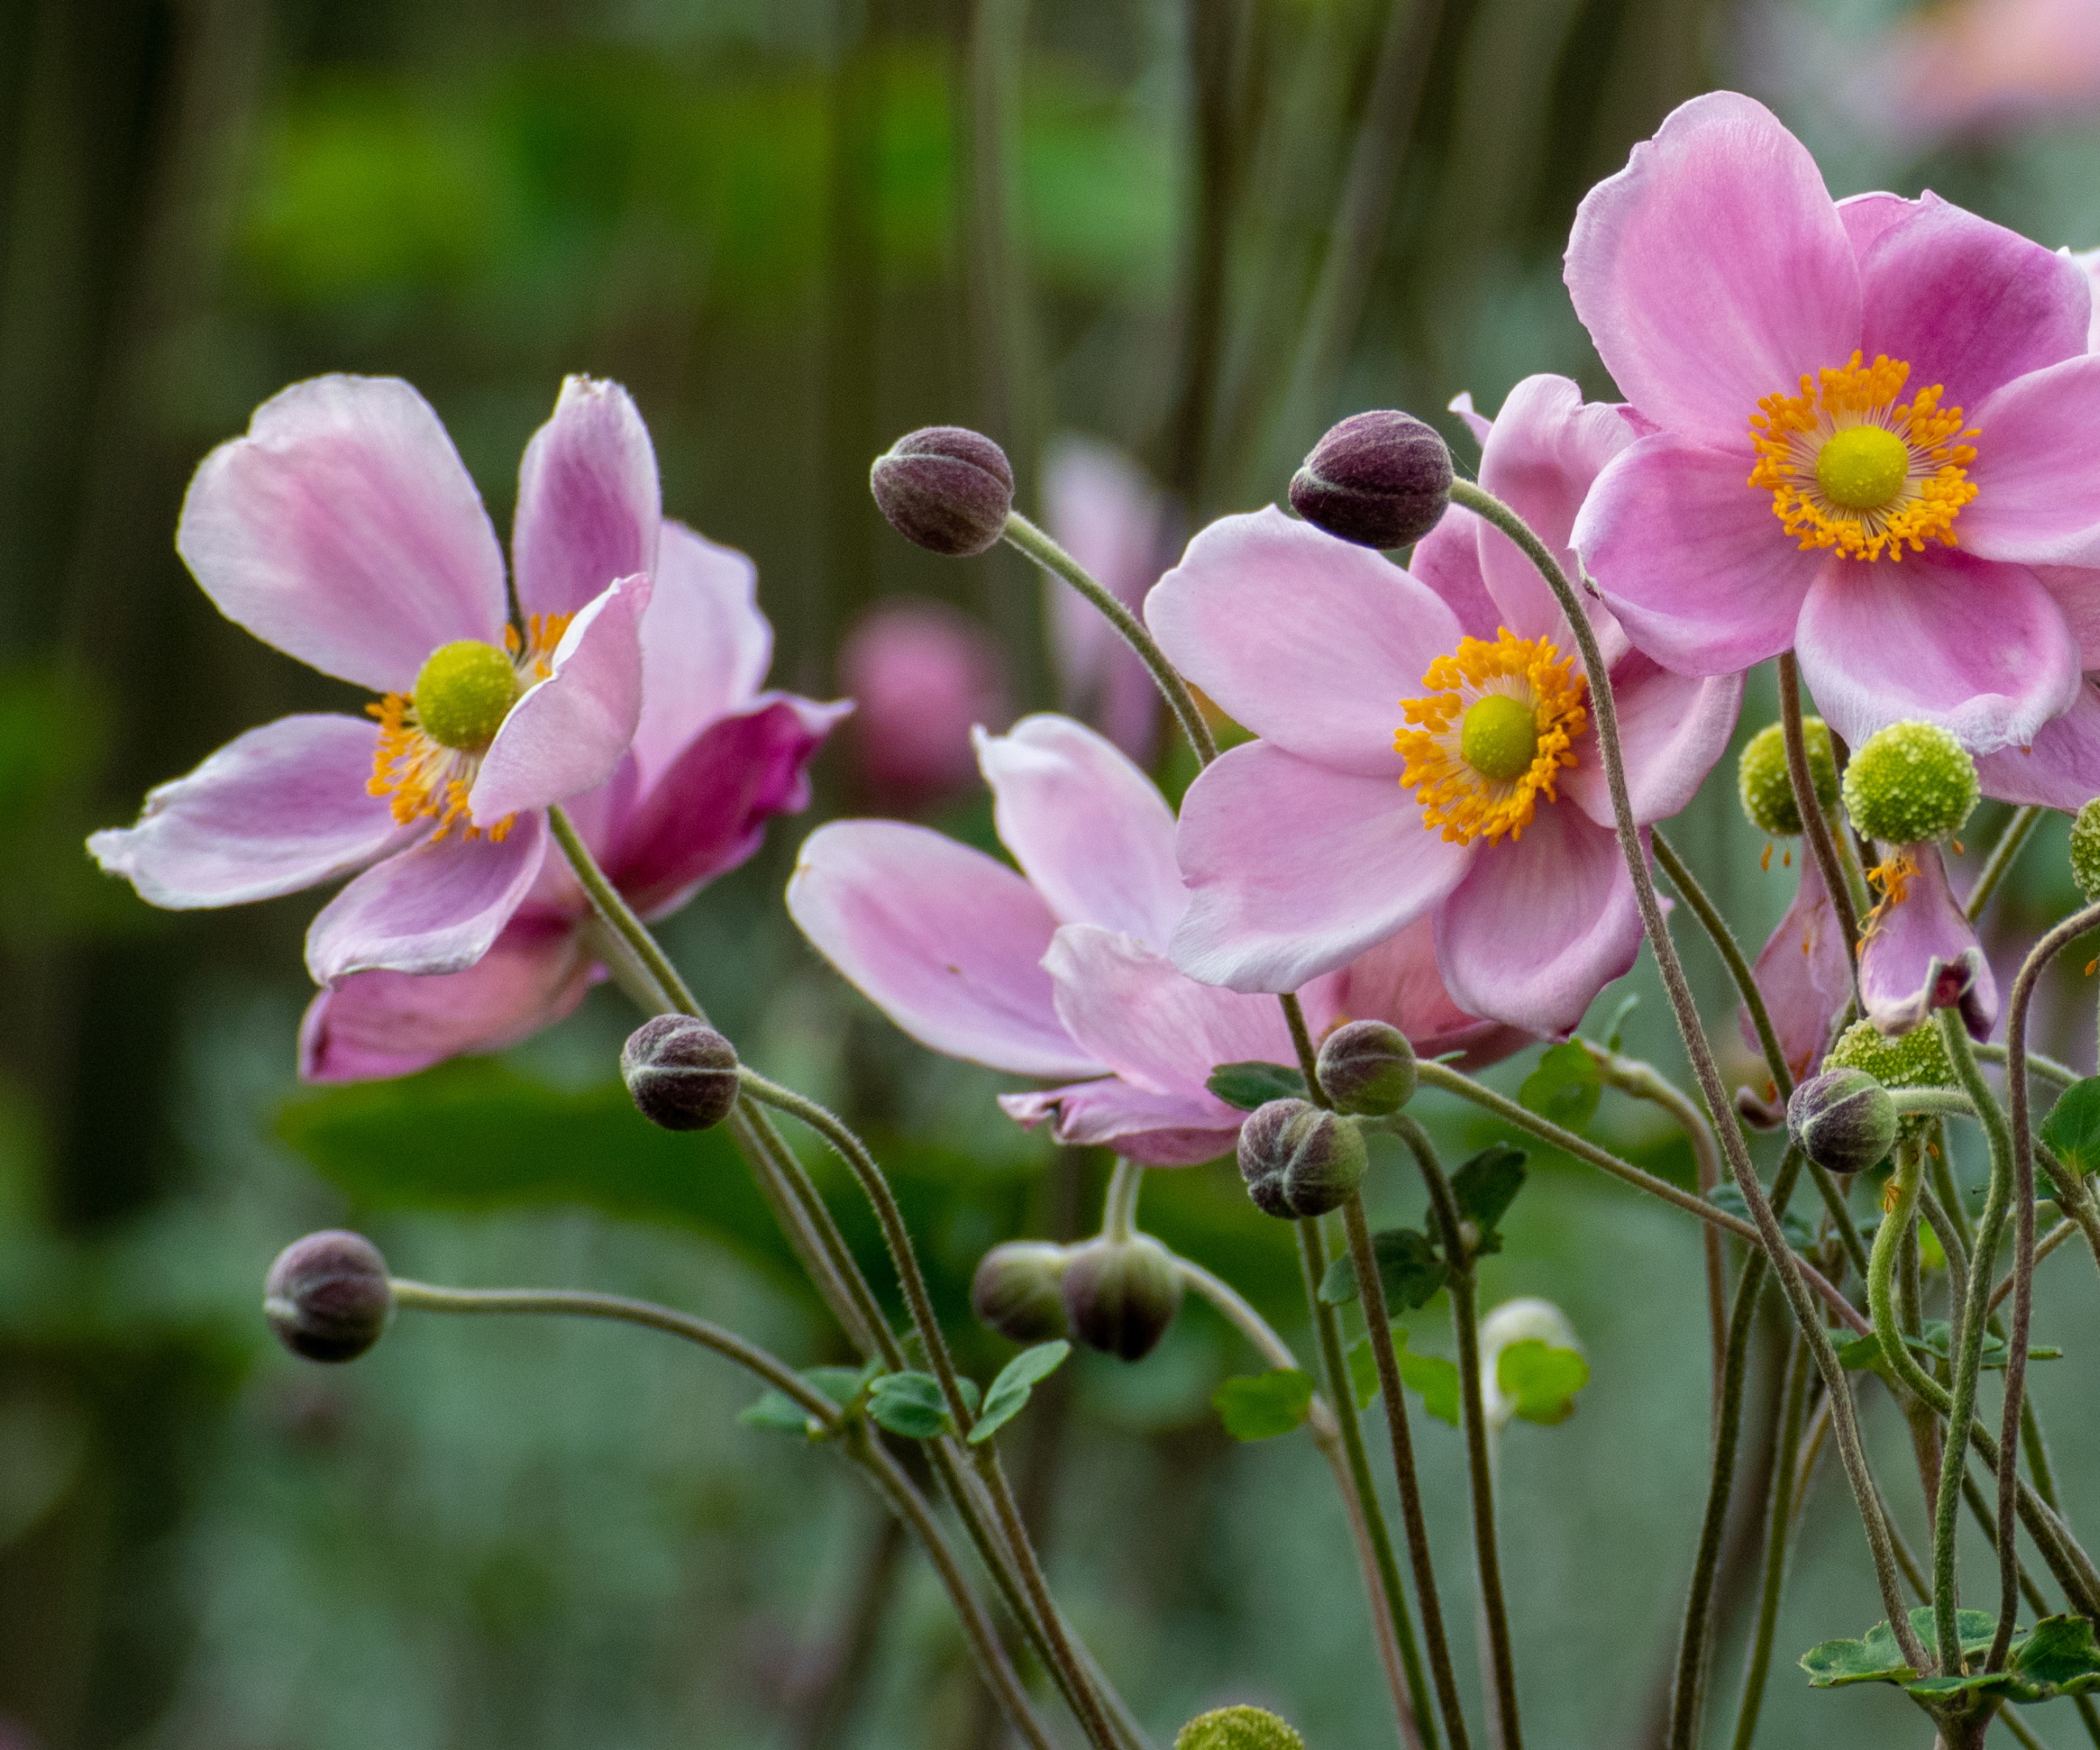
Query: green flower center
<point>1863,467</point>
<point>1499,737</point>
<point>463,692</point>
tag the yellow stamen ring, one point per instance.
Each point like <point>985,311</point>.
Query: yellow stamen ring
<point>1849,467</point>
<point>1492,737</point>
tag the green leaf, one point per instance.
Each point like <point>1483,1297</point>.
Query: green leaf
<point>1565,1087</point>
<point>1261,1406</point>
<point>1255,1083</point>
<point>1434,1379</point>
<point>1408,1267</point>
<point>1484,1189</point>
<point>1796,1226</point>
<point>1616,1029</point>
<point>1932,1339</point>
<point>912,1404</point>
<point>1017,1379</point>
<point>1540,1380</point>
<point>775,1410</point>
<point>2072,1130</point>
<point>2058,1654</point>
<point>1877,1659</point>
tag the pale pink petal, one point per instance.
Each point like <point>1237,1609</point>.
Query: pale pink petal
<point>372,1026</point>
<point>1476,422</point>
<point>280,808</point>
<point>2061,769</point>
<point>1922,954</point>
<point>1981,649</point>
<point>1804,973</point>
<point>946,941</point>
<point>436,908</point>
<point>1090,832</point>
<point>1398,981</point>
<point>708,813</point>
<point>569,732</point>
<point>1294,869</point>
<point>1866,216</point>
<point>588,500</point>
<point>1309,641</point>
<point>2037,469</point>
<point>1713,270</point>
<point>2087,263</point>
<point>921,675</point>
<point>1153,1130</point>
<point>1540,926</point>
<point>1672,728</point>
<point>344,530</point>
<point>2077,592</point>
<point>1691,559</point>
<point>1447,561</point>
<point>705,646</point>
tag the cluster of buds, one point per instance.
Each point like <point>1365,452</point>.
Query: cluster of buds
<point>1115,1295</point>
<point>1300,1160</point>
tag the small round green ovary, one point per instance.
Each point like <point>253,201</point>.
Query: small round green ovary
<point>1863,467</point>
<point>463,693</point>
<point>1499,737</point>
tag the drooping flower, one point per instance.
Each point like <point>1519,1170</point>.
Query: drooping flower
<point>1919,951</point>
<point>1425,748</point>
<point>1868,434</point>
<point>1060,971</point>
<point>714,757</point>
<point>921,674</point>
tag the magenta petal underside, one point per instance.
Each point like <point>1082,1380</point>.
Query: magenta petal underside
<point>344,530</point>
<point>1398,981</point>
<point>280,808</point>
<point>372,1026</point>
<point>1308,641</point>
<point>2061,769</point>
<point>1922,954</point>
<point>1540,926</point>
<point>569,732</point>
<point>1804,974</point>
<point>1094,836</point>
<point>1153,1130</point>
<point>1713,270</point>
<point>1672,729</point>
<point>588,500</point>
<point>705,646</point>
<point>945,940</point>
<point>1446,562</point>
<point>1294,870</point>
<point>2037,469</point>
<point>1980,648</point>
<point>436,908</point>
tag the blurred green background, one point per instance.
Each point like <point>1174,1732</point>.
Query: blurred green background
<point>794,228</point>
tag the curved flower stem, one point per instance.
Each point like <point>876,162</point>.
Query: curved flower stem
<point>1725,944</point>
<point>1779,1514</point>
<point>1472,1410</point>
<point>1039,546</point>
<point>1119,1205</point>
<point>2048,1244</point>
<point>2061,1075</point>
<point>904,1499</point>
<point>1308,1053</point>
<point>1999,865</point>
<point>1814,826</point>
<point>1843,1415</point>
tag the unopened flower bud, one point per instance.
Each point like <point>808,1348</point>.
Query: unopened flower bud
<point>1121,1295</point>
<point>947,488</point>
<point>1237,1728</point>
<point>327,1296</point>
<point>1299,1160</point>
<point>1379,479</point>
<point>2085,850</point>
<point>1368,1068</point>
<point>1843,1120</point>
<point>681,1072</point>
<point>1019,1291</point>
<point>1765,786</point>
<point>1910,783</point>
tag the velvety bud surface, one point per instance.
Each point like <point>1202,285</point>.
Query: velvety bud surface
<point>1379,479</point>
<point>1019,1291</point>
<point>1368,1068</point>
<point>327,1296</point>
<point>1121,1295</point>
<point>681,1072</point>
<point>1843,1120</point>
<point>946,487</point>
<point>1299,1160</point>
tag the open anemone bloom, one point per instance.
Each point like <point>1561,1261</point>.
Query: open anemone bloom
<point>1868,434</point>
<point>1060,971</point>
<point>1427,749</point>
<point>1918,951</point>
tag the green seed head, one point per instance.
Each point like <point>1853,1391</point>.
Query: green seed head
<point>1909,784</point>
<point>463,693</point>
<point>1237,1728</point>
<point>1499,737</point>
<point>1917,1060</point>
<point>1863,467</point>
<point>1762,782</point>
<point>2085,850</point>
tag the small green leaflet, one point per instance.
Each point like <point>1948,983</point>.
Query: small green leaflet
<point>1408,1266</point>
<point>912,1404</point>
<point>1484,1189</point>
<point>1017,1379</point>
<point>1932,1339</point>
<point>1799,1234</point>
<point>1255,1083</point>
<point>1565,1087</point>
<point>1878,1659</point>
<point>2072,1130</point>
<point>2055,1657</point>
<point>1616,1028</point>
<point>775,1410</point>
<point>1540,1380</point>
<point>1433,1377</point>
<point>1261,1406</point>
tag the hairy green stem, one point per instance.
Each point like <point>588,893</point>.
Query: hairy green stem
<point>1779,1515</point>
<point>1119,1207</point>
<point>1725,944</point>
<point>1999,865</point>
<point>1816,828</point>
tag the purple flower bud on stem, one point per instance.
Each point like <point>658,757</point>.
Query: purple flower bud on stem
<point>1379,479</point>
<point>1299,1160</point>
<point>327,1296</point>
<point>681,1072</point>
<point>1368,1068</point>
<point>1843,1120</point>
<point>947,488</point>
<point>1121,1295</point>
<point>1019,1291</point>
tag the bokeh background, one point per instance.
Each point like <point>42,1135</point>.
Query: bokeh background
<point>795,228</point>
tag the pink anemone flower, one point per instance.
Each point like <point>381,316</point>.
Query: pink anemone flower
<point>1425,745</point>
<point>1868,434</point>
<point>1804,974</point>
<point>1060,971</point>
<point>1918,951</point>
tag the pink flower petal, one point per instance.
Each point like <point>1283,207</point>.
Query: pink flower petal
<point>1804,973</point>
<point>1713,270</point>
<point>1398,981</point>
<point>1090,832</point>
<point>1690,558</point>
<point>1866,216</point>
<point>344,530</point>
<point>1447,561</point>
<point>1922,954</point>
<point>2077,592</point>
<point>708,813</point>
<point>1308,641</point>
<point>567,734</point>
<point>280,808</point>
<point>1672,729</point>
<point>588,500</point>
<point>1099,506</point>
<point>2037,469</point>
<point>1966,303</point>
<point>1294,869</point>
<point>2061,769</point>
<point>943,940</point>
<point>436,908</point>
<point>1476,422</point>
<point>705,646</point>
<point>372,1026</point>
<point>1539,926</point>
<point>1980,648</point>
<point>1153,1130</point>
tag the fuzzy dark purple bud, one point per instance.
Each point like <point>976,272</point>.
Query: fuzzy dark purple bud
<point>946,488</point>
<point>327,1296</point>
<point>1121,1295</point>
<point>1368,1068</point>
<point>680,1071</point>
<point>1299,1160</point>
<point>1380,479</point>
<point>1843,1120</point>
